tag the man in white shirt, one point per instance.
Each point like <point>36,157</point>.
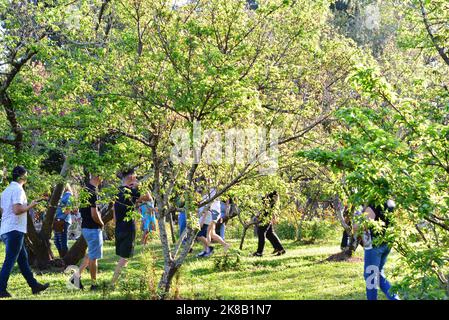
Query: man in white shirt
<point>12,231</point>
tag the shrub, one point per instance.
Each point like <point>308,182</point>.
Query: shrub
<point>314,230</point>
<point>229,261</point>
<point>286,230</point>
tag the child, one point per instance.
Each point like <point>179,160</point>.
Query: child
<point>148,219</point>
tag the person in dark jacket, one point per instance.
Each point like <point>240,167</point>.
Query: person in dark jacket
<point>377,251</point>
<point>265,227</point>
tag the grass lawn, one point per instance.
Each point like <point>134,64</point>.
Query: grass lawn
<point>299,274</point>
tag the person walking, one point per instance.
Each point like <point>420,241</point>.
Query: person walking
<point>376,250</point>
<point>265,227</point>
<point>91,229</point>
<point>15,208</point>
<point>215,211</point>
<point>225,207</point>
<point>63,220</point>
<point>125,231</point>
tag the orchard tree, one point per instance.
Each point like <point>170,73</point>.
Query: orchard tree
<point>169,75</point>
<point>39,40</point>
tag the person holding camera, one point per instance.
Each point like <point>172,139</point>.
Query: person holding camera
<point>13,229</point>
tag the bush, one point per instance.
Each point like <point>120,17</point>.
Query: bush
<point>314,230</point>
<point>308,231</point>
<point>286,230</point>
<point>234,230</point>
<point>230,261</point>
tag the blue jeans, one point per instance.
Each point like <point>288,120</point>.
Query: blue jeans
<point>15,251</point>
<point>222,230</point>
<point>182,222</point>
<point>374,275</point>
<point>61,238</point>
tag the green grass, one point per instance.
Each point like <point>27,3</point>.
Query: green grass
<point>299,274</point>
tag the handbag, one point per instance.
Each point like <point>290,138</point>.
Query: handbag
<point>58,225</point>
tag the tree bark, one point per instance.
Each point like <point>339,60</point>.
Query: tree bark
<point>40,255</point>
<point>170,270</point>
<point>242,240</point>
<point>39,242</point>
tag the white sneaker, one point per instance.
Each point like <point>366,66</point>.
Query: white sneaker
<point>201,254</point>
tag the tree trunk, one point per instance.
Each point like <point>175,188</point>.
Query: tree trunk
<point>40,254</point>
<point>166,279</point>
<point>169,266</point>
<point>76,252</point>
<point>39,242</point>
<point>245,229</point>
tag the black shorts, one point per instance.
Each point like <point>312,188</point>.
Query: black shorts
<point>124,243</point>
<point>203,231</point>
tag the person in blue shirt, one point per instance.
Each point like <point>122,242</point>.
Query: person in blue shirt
<point>182,218</point>
<point>63,220</point>
<point>149,222</point>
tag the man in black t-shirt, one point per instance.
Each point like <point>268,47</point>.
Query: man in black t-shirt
<point>125,231</point>
<point>91,228</point>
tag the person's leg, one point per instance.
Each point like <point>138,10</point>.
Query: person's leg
<point>203,240</point>
<point>57,241</point>
<point>217,238</point>
<point>24,266</point>
<point>344,240</point>
<point>209,232</point>
<point>93,266</point>
<point>97,253</point>
<point>222,230</point>
<point>273,238</point>
<point>12,242</point>
<point>385,286</point>
<point>217,228</point>
<point>83,266</point>
<point>145,237</point>
<point>182,222</point>
<point>64,239</point>
<point>118,269</point>
<point>371,272</point>
<point>261,235</point>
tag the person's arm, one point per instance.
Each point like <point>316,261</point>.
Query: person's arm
<point>21,208</point>
<point>370,216</point>
<point>19,199</point>
<point>144,198</point>
<point>96,216</point>
<point>94,210</point>
<point>65,203</point>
